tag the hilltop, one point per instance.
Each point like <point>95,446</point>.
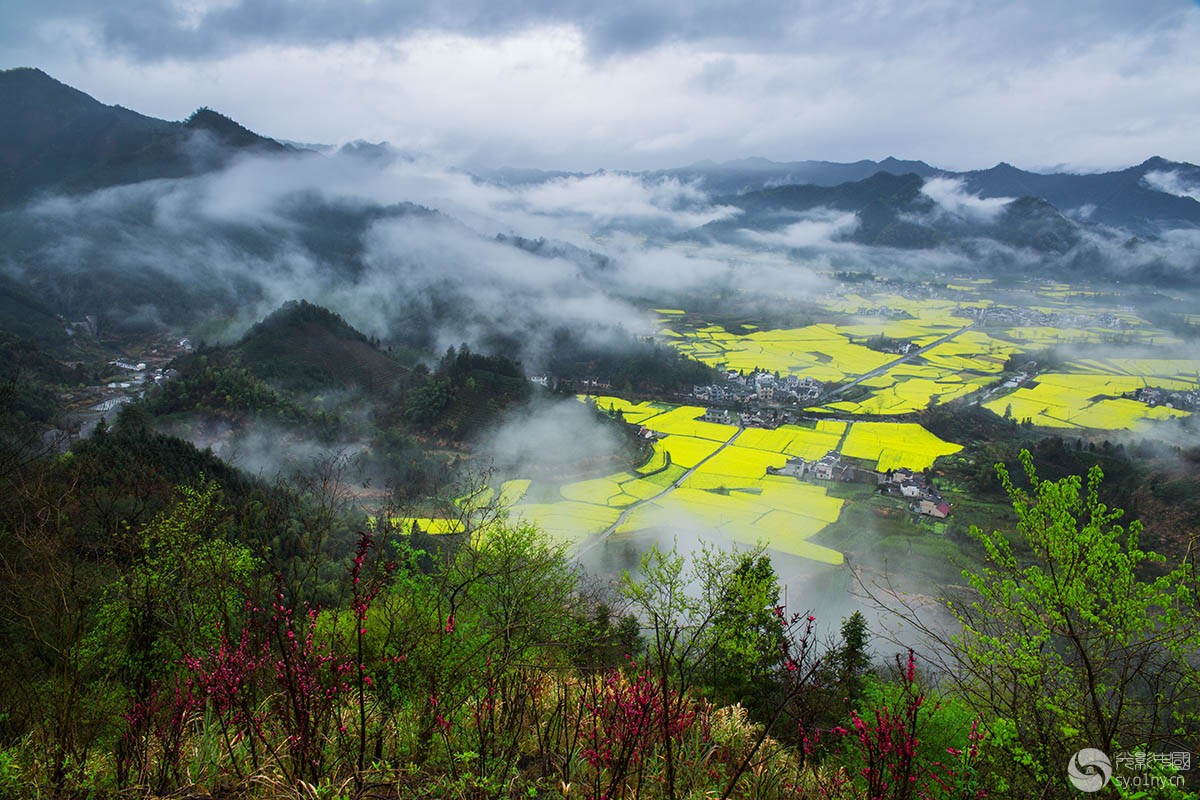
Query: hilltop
<point>55,137</point>
<point>304,347</point>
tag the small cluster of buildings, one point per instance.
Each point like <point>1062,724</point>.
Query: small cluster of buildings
<point>887,312</point>
<point>914,487</point>
<point>899,347</point>
<point>829,467</point>
<point>1187,400</point>
<point>760,387</point>
<point>139,375</point>
<point>759,417</point>
<point>1020,317</point>
<point>103,400</point>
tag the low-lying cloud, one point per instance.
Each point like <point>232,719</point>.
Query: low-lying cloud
<point>1171,182</point>
<point>409,250</point>
<point>952,197</point>
<point>819,228</point>
<point>551,437</point>
<point>609,198</point>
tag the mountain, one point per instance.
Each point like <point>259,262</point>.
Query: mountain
<point>50,132</point>
<point>279,371</point>
<point>1125,198</point>
<point>886,206</point>
<point>734,177</point>
<point>895,211</point>
<point>751,174</point>
<point>24,315</point>
<point>53,136</point>
<point>305,347</point>
<point>155,253</point>
<point>1144,199</point>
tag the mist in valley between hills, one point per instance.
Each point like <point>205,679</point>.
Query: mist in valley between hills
<point>426,256</point>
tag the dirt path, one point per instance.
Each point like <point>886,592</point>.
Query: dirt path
<point>674,485</point>
<point>825,398</point>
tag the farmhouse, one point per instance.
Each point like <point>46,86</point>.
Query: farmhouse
<point>795,468</point>
<point>831,468</point>
<point>933,508</point>
<point>721,416</point>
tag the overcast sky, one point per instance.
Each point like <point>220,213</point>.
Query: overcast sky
<point>584,84</point>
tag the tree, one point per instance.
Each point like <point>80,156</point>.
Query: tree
<point>722,610</point>
<point>185,583</point>
<point>853,658</point>
<point>1074,644</point>
<point>745,633</point>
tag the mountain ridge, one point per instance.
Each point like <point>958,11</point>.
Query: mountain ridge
<point>54,137</point>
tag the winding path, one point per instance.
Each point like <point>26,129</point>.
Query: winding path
<point>827,396</point>
<point>604,534</point>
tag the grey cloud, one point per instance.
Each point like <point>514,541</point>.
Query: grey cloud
<point>716,74</point>
<point>152,30</point>
<point>261,231</point>
<point>157,29</point>
<point>337,230</point>
<point>588,85</point>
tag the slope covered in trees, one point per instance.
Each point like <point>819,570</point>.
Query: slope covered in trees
<point>178,653</point>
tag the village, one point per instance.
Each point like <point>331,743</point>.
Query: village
<point>1186,400</point>
<point>915,487</point>
<point>759,387</point>
<point>1018,316</point>
<point>125,380</point>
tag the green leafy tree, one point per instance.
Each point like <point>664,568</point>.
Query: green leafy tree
<point>746,641</point>
<point>184,585</point>
<point>852,659</point>
<point>719,610</point>
<point>1072,636</point>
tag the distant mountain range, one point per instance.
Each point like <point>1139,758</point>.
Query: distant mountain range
<point>54,137</point>
<point>896,211</point>
<point>1123,198</point>
<point>121,259</point>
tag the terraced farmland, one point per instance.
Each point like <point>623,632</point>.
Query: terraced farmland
<point>892,445</point>
<point>1087,400</point>
<point>1085,393</point>
<point>705,477</point>
<point>835,354</point>
<point>821,352</point>
<point>711,478</point>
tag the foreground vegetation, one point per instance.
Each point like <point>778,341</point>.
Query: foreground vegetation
<point>172,627</point>
<point>191,641</point>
